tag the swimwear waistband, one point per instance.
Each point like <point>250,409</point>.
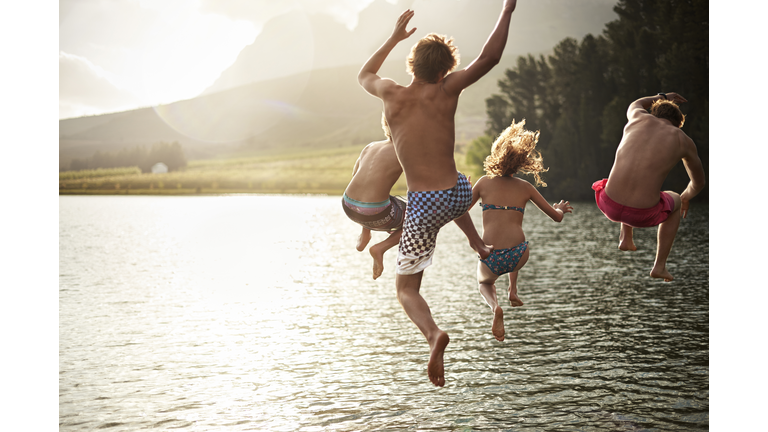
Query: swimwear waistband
<point>366,204</point>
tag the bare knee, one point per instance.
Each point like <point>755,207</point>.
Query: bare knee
<point>406,284</point>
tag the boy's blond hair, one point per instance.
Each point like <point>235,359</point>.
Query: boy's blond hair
<point>668,110</point>
<point>432,58</point>
<point>515,150</point>
<point>385,127</point>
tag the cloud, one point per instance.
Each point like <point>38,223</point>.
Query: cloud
<point>85,88</point>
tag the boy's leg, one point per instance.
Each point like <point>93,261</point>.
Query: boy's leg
<point>477,244</point>
<point>486,281</point>
<point>664,239</point>
<point>377,251</point>
<point>417,309</point>
<point>626,240</point>
<point>362,241</point>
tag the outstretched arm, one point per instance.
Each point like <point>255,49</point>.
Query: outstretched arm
<point>368,78</point>
<point>489,56</point>
<point>695,170</point>
<point>642,105</point>
<point>555,212</point>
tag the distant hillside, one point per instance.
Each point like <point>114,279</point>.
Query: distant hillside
<point>272,98</point>
<point>297,42</point>
<point>321,109</point>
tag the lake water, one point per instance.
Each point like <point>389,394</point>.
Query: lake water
<point>254,312</point>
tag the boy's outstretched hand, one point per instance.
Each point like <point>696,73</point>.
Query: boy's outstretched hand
<point>510,4</point>
<point>400,33</point>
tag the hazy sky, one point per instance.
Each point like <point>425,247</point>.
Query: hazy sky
<point>122,54</point>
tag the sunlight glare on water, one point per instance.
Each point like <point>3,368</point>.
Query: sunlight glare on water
<point>256,312</point>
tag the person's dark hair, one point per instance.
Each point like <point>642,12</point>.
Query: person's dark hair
<point>515,150</point>
<point>666,109</point>
<point>432,56</point>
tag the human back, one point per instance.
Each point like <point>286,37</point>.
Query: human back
<point>421,117</point>
<point>503,228</point>
<point>376,171</point>
<point>650,147</point>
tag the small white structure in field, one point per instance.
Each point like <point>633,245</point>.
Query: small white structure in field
<point>159,168</point>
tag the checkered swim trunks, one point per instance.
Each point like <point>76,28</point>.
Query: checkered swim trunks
<point>427,212</point>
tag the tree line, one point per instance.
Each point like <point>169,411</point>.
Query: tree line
<point>578,96</point>
<point>171,154</point>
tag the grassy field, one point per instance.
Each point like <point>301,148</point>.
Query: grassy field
<point>297,172</point>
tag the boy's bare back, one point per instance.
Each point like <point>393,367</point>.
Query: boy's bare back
<point>421,117</point>
<point>649,149</point>
<point>376,171</point>
<point>421,114</point>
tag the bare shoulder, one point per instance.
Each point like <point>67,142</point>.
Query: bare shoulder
<point>522,183</point>
<point>687,146</point>
<point>480,183</point>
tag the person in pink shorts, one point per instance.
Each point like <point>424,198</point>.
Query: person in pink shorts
<point>652,144</point>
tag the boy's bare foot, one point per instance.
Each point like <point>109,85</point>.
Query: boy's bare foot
<point>362,241</point>
<point>377,252</point>
<point>627,245</point>
<point>662,273</point>
<point>514,300</point>
<point>435,368</point>
<point>627,238</point>
<point>498,324</point>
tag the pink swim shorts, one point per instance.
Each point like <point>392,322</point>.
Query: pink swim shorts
<point>634,217</point>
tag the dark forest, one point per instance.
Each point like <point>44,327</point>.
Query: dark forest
<point>577,97</point>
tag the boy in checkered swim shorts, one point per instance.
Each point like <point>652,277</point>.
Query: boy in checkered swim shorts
<point>427,212</point>
<point>421,118</point>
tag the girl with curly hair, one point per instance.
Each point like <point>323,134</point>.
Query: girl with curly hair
<point>503,197</point>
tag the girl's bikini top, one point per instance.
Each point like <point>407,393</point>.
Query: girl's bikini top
<point>495,207</point>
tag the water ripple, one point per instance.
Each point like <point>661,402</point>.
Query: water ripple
<point>210,313</point>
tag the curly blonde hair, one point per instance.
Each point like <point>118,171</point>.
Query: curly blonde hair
<point>432,56</point>
<point>515,150</point>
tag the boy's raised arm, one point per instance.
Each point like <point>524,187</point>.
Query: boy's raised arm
<point>489,56</point>
<point>642,105</point>
<point>368,78</point>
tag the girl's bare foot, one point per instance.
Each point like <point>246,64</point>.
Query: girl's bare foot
<point>514,300</point>
<point>435,368</point>
<point>498,324</point>
<point>377,252</point>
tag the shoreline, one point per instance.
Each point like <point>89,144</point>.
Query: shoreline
<point>210,191</point>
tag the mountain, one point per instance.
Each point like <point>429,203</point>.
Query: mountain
<point>319,109</point>
<point>296,85</point>
<point>297,42</point>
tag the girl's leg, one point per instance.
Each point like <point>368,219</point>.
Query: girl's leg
<point>486,280</point>
<point>514,300</point>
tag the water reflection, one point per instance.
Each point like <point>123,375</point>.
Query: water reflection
<point>257,313</point>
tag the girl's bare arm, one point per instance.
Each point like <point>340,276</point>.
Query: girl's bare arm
<point>555,212</point>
